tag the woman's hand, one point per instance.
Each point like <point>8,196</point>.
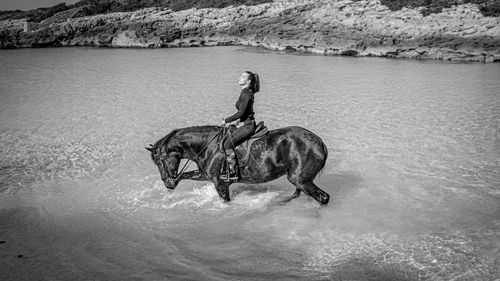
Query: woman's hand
<point>235,123</point>
<point>224,124</point>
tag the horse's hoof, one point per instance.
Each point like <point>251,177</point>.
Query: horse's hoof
<point>325,199</point>
<point>281,202</point>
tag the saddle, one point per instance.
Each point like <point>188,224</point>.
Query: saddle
<point>243,150</point>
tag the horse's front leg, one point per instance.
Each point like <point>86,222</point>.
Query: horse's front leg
<point>222,189</point>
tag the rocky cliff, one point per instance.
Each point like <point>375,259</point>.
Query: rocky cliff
<point>329,27</point>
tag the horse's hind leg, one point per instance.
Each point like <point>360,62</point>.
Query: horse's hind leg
<point>308,187</point>
<point>315,192</point>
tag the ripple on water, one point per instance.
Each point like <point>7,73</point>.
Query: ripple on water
<point>413,169</point>
<point>386,256</point>
<point>32,159</point>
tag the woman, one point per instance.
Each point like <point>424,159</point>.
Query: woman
<point>244,118</point>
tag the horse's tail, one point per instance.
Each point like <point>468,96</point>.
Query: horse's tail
<point>325,151</point>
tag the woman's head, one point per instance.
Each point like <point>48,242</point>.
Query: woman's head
<point>251,80</point>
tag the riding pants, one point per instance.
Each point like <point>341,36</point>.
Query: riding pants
<point>240,134</point>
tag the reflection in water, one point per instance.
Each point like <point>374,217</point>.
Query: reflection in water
<point>413,168</point>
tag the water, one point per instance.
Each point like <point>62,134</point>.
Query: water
<point>413,168</point>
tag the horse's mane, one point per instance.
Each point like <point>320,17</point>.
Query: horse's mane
<point>163,141</point>
<point>205,130</point>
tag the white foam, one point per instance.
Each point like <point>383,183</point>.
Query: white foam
<point>255,201</point>
<point>198,197</point>
<point>205,197</point>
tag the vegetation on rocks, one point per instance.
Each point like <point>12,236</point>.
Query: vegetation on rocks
<point>35,14</point>
<point>94,7</point>
<point>487,7</point>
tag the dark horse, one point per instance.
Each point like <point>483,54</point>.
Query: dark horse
<point>294,151</point>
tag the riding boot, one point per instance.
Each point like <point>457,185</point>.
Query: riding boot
<point>231,163</point>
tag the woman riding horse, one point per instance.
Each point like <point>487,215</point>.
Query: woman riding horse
<point>293,151</point>
<point>250,85</point>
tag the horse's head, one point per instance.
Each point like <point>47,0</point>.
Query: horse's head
<point>167,163</point>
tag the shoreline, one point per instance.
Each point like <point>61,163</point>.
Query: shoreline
<point>345,28</point>
<point>255,49</point>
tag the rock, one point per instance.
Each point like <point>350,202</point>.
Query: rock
<point>350,53</point>
<point>346,27</point>
<point>105,39</point>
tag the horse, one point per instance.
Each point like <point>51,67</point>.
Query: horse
<point>294,151</point>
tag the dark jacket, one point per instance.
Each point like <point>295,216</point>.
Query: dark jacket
<point>244,106</point>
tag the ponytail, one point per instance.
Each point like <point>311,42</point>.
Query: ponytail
<point>254,81</point>
<point>256,86</point>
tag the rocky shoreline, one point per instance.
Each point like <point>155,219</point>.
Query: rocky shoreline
<point>345,27</point>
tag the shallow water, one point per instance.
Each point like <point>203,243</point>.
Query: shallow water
<point>413,168</point>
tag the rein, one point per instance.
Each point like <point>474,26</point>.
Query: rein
<point>188,162</point>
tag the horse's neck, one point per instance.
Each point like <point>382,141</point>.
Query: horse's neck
<point>198,142</point>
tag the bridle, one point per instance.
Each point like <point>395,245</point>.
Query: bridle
<point>164,164</point>
<point>163,160</point>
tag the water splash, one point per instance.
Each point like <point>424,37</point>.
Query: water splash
<point>201,197</point>
<point>205,196</point>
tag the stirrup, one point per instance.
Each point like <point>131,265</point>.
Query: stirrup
<point>225,177</point>
<point>228,177</point>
